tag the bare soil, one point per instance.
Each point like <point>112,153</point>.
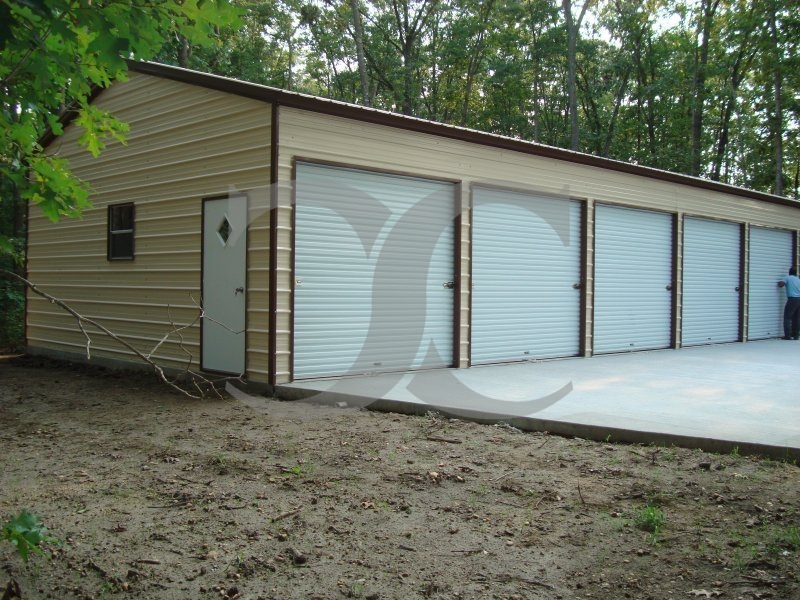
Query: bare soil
<point>153,495</point>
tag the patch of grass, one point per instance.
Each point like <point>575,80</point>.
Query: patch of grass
<point>357,588</point>
<point>300,469</point>
<point>670,454</point>
<point>219,460</point>
<point>617,521</point>
<point>650,518</point>
<point>742,557</point>
<point>482,490</point>
<point>789,537</point>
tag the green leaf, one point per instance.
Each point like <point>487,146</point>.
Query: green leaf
<point>54,54</point>
<point>99,126</point>
<point>26,532</point>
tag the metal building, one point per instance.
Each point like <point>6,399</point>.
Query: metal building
<point>325,239</point>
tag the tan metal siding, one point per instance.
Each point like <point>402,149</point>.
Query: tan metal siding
<point>257,349</point>
<point>284,271</point>
<point>186,143</point>
<point>313,136</point>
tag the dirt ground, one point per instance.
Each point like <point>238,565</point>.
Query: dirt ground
<point>153,495</point>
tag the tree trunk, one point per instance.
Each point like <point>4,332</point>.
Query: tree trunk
<point>612,125</point>
<point>184,52</point>
<point>572,106</point>
<point>777,79</point>
<point>708,9</point>
<point>573,25</point>
<point>362,61</point>
<point>537,101</point>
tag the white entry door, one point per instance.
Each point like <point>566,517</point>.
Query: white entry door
<point>224,284</point>
<point>711,281</point>
<point>771,255</point>
<point>633,279</point>
<point>374,267</point>
<point>526,275</point>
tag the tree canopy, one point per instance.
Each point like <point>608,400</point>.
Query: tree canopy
<point>55,55</point>
<point>709,88</point>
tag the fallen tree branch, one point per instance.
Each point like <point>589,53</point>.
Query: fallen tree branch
<point>436,438</point>
<point>197,380</point>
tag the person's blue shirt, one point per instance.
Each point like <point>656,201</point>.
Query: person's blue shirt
<point>792,283</point>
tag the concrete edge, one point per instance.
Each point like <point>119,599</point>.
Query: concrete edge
<point>596,433</point>
<point>561,428</point>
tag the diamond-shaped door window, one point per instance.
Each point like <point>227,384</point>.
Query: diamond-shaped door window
<point>224,231</point>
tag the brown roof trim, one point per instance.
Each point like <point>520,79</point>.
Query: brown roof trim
<point>381,117</point>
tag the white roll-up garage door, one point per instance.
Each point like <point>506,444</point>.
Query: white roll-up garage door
<point>633,279</point>
<point>711,281</point>
<point>374,265</point>
<point>526,254</point>
<point>771,255</point>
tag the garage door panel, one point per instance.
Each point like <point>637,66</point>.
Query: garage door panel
<point>633,276</point>
<point>771,255</point>
<point>372,252</point>
<point>711,281</point>
<point>525,261</point>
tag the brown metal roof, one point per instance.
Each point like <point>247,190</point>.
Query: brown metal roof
<point>389,119</point>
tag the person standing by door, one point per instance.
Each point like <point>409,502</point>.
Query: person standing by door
<point>791,311</point>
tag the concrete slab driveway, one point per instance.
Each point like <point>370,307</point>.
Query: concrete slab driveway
<point>721,397</point>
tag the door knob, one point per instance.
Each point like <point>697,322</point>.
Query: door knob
<point>239,290</point>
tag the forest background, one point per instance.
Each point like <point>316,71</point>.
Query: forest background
<point>708,88</point>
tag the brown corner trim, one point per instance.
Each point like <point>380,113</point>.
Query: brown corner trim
<point>744,258</point>
<point>272,367</point>
<point>458,209</point>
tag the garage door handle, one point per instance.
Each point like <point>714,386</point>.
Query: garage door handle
<point>239,290</point>
<point>669,287</point>
<point>737,288</point>
<point>576,286</point>
<point>449,285</point>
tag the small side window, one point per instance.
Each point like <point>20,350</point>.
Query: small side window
<point>120,231</point>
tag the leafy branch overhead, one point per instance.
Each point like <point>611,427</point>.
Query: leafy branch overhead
<point>55,55</point>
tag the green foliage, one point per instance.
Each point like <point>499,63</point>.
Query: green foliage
<point>26,533</point>
<point>650,518</point>
<point>55,55</point>
<point>500,66</point>
<point>12,309</point>
<point>789,537</point>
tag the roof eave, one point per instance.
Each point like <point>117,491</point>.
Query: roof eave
<point>370,115</point>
